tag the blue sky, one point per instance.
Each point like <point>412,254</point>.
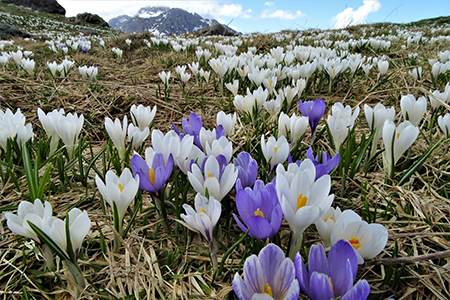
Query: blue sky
<point>273,16</point>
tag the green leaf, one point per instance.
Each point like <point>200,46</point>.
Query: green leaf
<point>69,240</point>
<point>44,180</point>
<point>48,241</point>
<point>29,173</point>
<point>418,163</point>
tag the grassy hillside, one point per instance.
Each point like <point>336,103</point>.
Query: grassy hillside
<point>158,259</point>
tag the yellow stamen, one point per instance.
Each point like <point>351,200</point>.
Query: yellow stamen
<point>152,176</point>
<point>281,73</point>
<point>209,175</point>
<point>332,288</point>
<point>301,201</point>
<point>258,212</point>
<point>355,242</point>
<point>270,83</point>
<point>398,134</point>
<point>310,107</point>
<point>120,187</point>
<point>330,217</point>
<point>276,149</point>
<point>203,211</point>
<point>334,71</point>
<point>267,290</point>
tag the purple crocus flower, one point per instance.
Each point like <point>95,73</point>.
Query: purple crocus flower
<point>191,127</point>
<point>62,45</point>
<point>332,277</point>
<point>82,39</point>
<point>247,168</point>
<point>154,173</point>
<point>270,275</point>
<point>327,165</point>
<point>83,48</point>
<point>259,209</point>
<point>314,110</point>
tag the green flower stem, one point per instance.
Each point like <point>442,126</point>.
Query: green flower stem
<point>161,209</point>
<point>213,253</point>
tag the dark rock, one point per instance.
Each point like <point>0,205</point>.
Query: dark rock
<point>216,29</point>
<point>88,18</point>
<point>9,31</point>
<point>50,6</point>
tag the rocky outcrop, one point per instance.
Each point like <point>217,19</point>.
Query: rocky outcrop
<point>9,31</point>
<point>216,29</point>
<point>88,18</point>
<point>50,6</point>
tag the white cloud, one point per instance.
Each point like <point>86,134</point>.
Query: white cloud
<point>350,17</point>
<point>269,4</point>
<point>281,14</point>
<point>206,9</point>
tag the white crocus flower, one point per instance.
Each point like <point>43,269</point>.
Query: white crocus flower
<point>180,69</point>
<point>119,190</point>
<point>368,240</point>
<point>142,116</point>
<point>444,124</point>
<point>270,84</point>
<point>340,122</point>
<point>383,66</point>
<point>222,146</point>
<point>128,41</point>
<point>416,73</point>
<point>413,110</point>
<point>290,93</point>
<point>245,103</point>
<point>275,151</point>
<point>118,52</point>
<point>117,134</point>
<point>194,68</point>
<point>68,129</point>
<point>35,213</point>
<point>53,67</point>
<point>205,216</point>
<point>273,106</point>
<point>165,77</point>
<point>205,75</point>
<point>217,184</point>
<point>13,125</point>
<point>79,226</point>
<point>296,125</point>
<point>376,118</point>
<point>233,87</point>
<point>51,133</point>
<point>88,72</point>
<point>171,144</point>
<point>28,65</point>
<point>66,66</point>
<point>303,200</point>
<point>403,137</point>
<point>137,136</point>
<point>227,122</point>
<point>185,78</point>
<point>325,224</point>
<point>195,155</point>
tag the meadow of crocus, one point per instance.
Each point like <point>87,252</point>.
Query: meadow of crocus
<point>302,164</point>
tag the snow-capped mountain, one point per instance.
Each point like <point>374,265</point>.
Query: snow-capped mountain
<point>162,20</point>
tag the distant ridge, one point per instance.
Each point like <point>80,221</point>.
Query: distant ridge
<point>162,20</point>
